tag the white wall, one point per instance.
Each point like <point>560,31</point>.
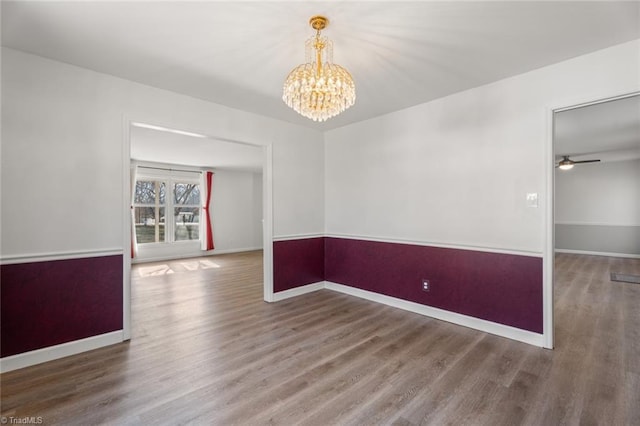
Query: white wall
<point>457,170</point>
<point>257,212</point>
<point>597,207</point>
<point>236,207</point>
<point>599,194</point>
<point>63,159</point>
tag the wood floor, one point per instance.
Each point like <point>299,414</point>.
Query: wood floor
<point>207,350</point>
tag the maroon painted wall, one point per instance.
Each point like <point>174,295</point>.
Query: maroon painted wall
<point>501,288</point>
<point>48,303</point>
<point>297,263</point>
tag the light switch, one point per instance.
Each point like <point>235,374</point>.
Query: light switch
<point>532,199</point>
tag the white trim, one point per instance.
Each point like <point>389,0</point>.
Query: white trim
<point>297,237</point>
<point>237,250</point>
<point>63,255</point>
<point>548,234</point>
<point>599,253</point>
<point>502,330</point>
<point>588,101</point>
<point>267,222</point>
<point>598,224</point>
<point>298,291</point>
<point>127,228</point>
<point>549,225</point>
<point>438,244</point>
<point>39,356</point>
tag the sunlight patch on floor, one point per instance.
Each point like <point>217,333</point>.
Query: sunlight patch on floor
<point>194,265</point>
<point>155,270</point>
<point>175,267</point>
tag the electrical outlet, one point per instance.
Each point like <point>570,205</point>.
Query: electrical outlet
<point>426,285</point>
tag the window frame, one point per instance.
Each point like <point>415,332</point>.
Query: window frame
<point>170,177</point>
<point>157,205</point>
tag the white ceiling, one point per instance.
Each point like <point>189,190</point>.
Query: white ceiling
<point>609,131</point>
<point>238,53</point>
<point>166,147</point>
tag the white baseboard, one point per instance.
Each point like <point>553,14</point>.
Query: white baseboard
<point>237,250</point>
<point>599,253</point>
<point>38,356</point>
<point>298,291</point>
<point>452,317</point>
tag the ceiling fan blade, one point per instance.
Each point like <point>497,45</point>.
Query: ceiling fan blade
<point>586,161</point>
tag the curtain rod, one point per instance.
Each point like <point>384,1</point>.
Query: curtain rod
<point>171,170</point>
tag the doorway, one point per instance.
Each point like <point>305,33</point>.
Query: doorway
<point>594,185</point>
<point>177,154</point>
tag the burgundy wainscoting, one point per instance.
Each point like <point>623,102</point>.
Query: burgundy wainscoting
<point>297,263</point>
<point>52,302</point>
<point>501,288</point>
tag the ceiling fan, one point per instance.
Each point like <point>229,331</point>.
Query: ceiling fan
<point>567,164</point>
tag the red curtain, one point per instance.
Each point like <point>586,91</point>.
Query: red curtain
<point>207,216</point>
<point>134,238</point>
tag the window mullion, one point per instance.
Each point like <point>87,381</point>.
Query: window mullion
<point>157,211</point>
<point>170,213</point>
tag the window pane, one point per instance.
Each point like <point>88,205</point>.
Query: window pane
<point>186,193</point>
<point>162,191</point>
<point>149,224</point>
<point>187,221</point>
<point>146,191</point>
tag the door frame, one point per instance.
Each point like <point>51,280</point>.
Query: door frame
<point>549,232</point>
<point>267,213</point>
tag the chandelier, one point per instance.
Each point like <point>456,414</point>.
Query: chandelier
<point>319,89</point>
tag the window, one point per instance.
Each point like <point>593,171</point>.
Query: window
<point>152,205</point>
<point>149,209</point>
<point>186,211</point>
